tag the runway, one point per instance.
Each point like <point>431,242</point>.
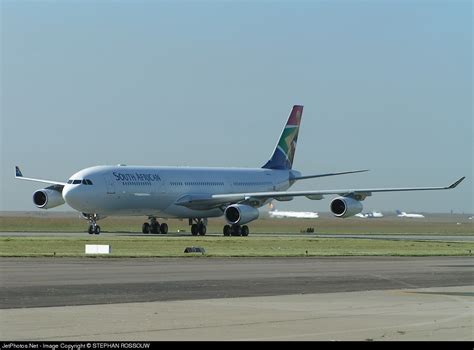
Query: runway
<point>41,282</point>
<point>398,237</point>
<point>403,237</point>
<point>353,298</point>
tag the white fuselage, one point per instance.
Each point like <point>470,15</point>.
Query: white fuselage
<point>154,191</point>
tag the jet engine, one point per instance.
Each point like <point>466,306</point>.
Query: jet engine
<point>47,198</point>
<point>240,214</point>
<point>343,207</point>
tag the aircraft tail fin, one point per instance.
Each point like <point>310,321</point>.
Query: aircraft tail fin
<point>284,153</point>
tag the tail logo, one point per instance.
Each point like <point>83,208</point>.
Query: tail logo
<point>284,152</point>
<point>289,137</point>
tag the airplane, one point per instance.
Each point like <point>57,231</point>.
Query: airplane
<point>370,215</point>
<point>402,214</point>
<point>275,213</point>
<point>198,193</point>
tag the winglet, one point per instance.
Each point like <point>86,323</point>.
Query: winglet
<point>18,172</point>
<point>456,183</point>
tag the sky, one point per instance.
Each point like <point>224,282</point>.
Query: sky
<point>386,86</point>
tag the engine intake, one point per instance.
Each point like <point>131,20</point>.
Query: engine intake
<point>47,198</point>
<point>239,214</point>
<point>343,207</point>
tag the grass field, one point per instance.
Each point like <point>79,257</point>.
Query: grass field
<point>162,246</point>
<point>217,245</point>
<point>73,223</point>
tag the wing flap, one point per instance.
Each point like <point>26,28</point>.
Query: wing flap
<point>206,202</point>
<point>199,202</point>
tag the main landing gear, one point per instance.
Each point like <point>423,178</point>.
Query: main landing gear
<point>236,230</point>
<point>93,227</point>
<point>154,226</point>
<point>198,226</point>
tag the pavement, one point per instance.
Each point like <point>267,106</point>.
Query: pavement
<point>386,236</point>
<point>414,314</point>
<point>336,298</point>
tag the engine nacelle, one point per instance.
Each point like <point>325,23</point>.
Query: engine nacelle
<point>240,214</point>
<point>47,198</point>
<point>283,199</point>
<point>315,197</point>
<point>343,207</point>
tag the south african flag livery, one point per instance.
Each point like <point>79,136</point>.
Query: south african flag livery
<point>284,153</point>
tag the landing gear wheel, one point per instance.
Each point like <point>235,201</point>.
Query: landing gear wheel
<point>155,227</point>
<point>235,230</point>
<point>146,227</point>
<point>198,226</point>
<point>164,228</point>
<point>245,230</point>
<point>226,230</point>
<point>202,229</point>
<point>92,219</point>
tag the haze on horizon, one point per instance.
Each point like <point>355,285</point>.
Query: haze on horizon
<point>386,86</point>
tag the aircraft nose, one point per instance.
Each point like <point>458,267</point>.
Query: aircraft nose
<point>72,196</point>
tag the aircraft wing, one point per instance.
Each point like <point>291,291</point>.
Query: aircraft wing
<point>203,202</point>
<point>19,176</point>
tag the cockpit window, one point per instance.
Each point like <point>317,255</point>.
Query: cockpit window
<point>77,182</point>
<point>85,181</point>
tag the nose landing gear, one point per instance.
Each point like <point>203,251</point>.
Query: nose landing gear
<point>92,219</point>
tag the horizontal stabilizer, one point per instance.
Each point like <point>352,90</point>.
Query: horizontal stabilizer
<point>328,174</point>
